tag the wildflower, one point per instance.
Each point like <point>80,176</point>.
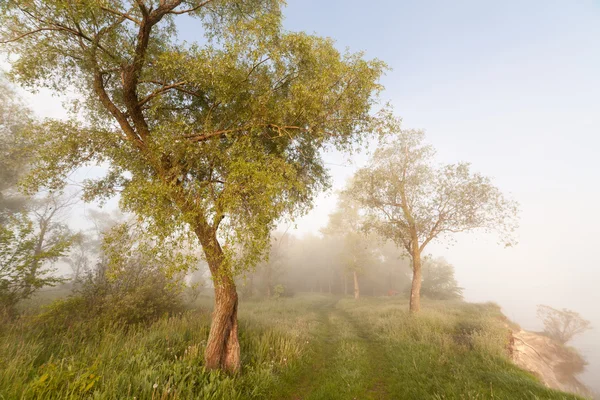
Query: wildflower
<point>155,385</point>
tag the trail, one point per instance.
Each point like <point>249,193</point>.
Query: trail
<point>346,362</point>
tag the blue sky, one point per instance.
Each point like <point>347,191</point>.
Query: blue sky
<point>512,87</point>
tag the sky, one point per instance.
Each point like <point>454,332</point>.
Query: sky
<point>512,87</point>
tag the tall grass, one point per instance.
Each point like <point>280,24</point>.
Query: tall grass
<point>162,360</point>
<point>308,347</point>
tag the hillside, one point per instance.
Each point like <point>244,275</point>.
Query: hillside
<point>306,347</point>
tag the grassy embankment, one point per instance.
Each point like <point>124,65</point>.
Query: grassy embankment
<point>308,347</point>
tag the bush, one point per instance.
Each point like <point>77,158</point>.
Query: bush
<point>281,290</point>
<point>129,286</point>
<point>112,302</point>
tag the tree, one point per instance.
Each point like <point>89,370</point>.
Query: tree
<point>217,139</point>
<point>562,325</point>
<point>438,280</point>
<point>271,267</point>
<point>29,245</point>
<point>357,252</point>
<point>411,201</point>
<point>13,161</point>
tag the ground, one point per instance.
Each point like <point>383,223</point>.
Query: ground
<point>307,347</point>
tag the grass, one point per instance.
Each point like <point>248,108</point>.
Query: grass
<point>308,347</point>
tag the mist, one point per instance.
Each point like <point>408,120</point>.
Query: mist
<point>509,88</point>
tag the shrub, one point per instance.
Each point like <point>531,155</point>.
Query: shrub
<point>128,286</point>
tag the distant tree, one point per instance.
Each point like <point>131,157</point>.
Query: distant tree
<point>30,243</point>
<point>357,252</point>
<point>562,325</point>
<point>438,280</point>
<point>272,266</point>
<point>14,116</point>
<point>216,139</point>
<point>32,235</point>
<point>410,200</point>
<point>79,258</point>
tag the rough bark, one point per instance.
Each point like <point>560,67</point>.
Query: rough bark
<point>415,290</point>
<point>356,287</point>
<point>222,348</point>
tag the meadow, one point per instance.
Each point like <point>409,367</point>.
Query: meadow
<point>310,346</point>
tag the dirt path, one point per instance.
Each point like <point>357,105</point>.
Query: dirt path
<point>346,362</point>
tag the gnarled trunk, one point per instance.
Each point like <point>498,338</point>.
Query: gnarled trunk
<point>223,348</point>
<point>415,289</point>
<point>356,287</point>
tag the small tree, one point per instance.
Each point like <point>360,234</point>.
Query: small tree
<point>562,325</point>
<point>411,201</point>
<point>356,252</point>
<point>29,245</point>
<point>13,159</point>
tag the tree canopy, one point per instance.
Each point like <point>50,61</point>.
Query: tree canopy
<point>225,133</point>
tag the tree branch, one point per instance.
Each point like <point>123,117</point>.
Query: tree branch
<point>160,91</point>
<point>121,14</point>
<point>189,10</point>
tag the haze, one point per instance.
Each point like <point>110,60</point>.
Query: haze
<point>511,87</point>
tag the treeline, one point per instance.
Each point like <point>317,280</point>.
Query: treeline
<point>324,264</point>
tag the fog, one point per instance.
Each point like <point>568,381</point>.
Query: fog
<point>511,88</point>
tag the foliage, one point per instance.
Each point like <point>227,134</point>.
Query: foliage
<point>438,280</point>
<point>224,135</point>
<point>408,198</point>
<point>562,325</point>
<point>135,281</point>
<point>346,223</point>
<point>26,257</point>
<point>13,159</point>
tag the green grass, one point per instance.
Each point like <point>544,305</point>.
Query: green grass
<point>308,347</point>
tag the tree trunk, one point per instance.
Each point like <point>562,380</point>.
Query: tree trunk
<point>356,287</point>
<point>415,290</point>
<point>345,284</point>
<point>222,348</point>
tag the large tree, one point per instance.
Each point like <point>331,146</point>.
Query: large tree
<point>412,201</point>
<point>219,138</point>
